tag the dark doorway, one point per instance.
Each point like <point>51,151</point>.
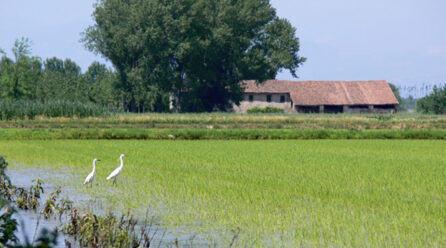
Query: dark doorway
<point>384,107</point>
<point>307,109</point>
<point>333,109</point>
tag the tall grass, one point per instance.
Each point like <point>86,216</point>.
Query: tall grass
<point>27,109</point>
<point>313,193</point>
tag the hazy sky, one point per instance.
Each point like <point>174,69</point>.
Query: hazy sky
<point>401,41</point>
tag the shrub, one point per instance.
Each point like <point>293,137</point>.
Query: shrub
<point>257,110</point>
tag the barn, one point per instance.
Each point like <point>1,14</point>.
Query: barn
<point>319,96</point>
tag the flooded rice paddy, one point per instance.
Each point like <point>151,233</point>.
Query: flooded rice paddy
<point>292,193</point>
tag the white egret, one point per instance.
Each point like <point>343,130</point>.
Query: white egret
<point>118,170</point>
<point>90,176</point>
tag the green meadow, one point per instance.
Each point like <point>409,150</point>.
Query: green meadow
<point>292,193</point>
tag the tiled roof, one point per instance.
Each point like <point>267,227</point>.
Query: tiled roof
<point>311,93</point>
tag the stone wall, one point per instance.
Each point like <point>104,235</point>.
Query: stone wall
<point>260,100</point>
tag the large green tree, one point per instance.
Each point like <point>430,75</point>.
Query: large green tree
<point>195,50</point>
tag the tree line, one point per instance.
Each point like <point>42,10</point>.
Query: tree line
<point>27,77</point>
<point>434,103</point>
<point>189,53</point>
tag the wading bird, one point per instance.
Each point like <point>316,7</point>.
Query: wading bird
<point>118,170</point>
<point>90,176</point>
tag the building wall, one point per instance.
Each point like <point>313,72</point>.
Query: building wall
<point>260,100</point>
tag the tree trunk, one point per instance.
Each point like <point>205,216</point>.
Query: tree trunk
<point>133,105</point>
<point>123,103</point>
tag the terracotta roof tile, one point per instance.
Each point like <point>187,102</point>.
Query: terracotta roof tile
<point>311,93</point>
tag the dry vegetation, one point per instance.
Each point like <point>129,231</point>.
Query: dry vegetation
<point>226,120</point>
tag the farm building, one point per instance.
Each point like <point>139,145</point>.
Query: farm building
<point>319,96</point>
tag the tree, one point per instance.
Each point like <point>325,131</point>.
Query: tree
<point>396,92</point>
<point>61,79</point>
<point>19,77</point>
<point>100,83</point>
<point>197,50</point>
<point>434,103</point>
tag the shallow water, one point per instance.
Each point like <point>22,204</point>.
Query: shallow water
<point>31,222</point>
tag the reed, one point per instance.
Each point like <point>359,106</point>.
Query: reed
<point>27,109</point>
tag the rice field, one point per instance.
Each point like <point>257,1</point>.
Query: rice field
<point>279,193</point>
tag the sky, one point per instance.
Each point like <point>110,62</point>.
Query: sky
<point>401,41</point>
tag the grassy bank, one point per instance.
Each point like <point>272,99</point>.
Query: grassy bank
<point>343,193</point>
<point>214,134</point>
<point>229,121</point>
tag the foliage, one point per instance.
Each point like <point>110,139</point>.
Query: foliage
<point>29,199</point>
<point>100,85</point>
<point>435,103</point>
<point>396,92</point>
<point>305,193</point>
<point>26,78</point>
<point>5,181</point>
<point>107,231</point>
<point>257,110</point>
<point>29,109</point>
<point>51,204</point>
<point>19,77</point>
<point>8,224</point>
<point>198,51</point>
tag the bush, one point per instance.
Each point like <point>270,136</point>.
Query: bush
<point>257,110</point>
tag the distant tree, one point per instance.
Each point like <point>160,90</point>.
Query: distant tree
<point>100,83</point>
<point>408,103</point>
<point>26,77</point>
<point>396,92</point>
<point>197,50</point>
<point>434,103</point>
<point>19,77</point>
<point>61,79</point>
